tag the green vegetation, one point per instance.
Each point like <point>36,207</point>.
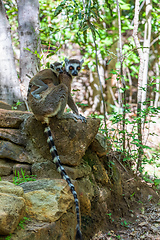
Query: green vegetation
<point>93,27</point>
<point>21,225</point>
<point>110,217</point>
<point>124,223</point>
<point>18,103</point>
<point>23,222</point>
<point>25,178</point>
<point>8,237</point>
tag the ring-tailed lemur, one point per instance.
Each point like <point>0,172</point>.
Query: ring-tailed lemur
<point>52,104</point>
<point>72,68</point>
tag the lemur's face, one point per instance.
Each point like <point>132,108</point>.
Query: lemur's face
<point>73,66</point>
<point>57,67</point>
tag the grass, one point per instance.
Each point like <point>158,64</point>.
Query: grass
<point>24,178</point>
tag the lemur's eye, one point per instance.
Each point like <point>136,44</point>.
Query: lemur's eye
<point>58,69</point>
<point>78,68</point>
<point>70,68</point>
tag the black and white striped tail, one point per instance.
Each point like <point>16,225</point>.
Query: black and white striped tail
<point>29,89</point>
<point>64,175</point>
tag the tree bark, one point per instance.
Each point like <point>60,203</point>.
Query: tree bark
<point>112,78</point>
<point>122,78</point>
<point>9,83</point>
<point>157,85</point>
<point>146,49</point>
<point>140,80</point>
<point>28,19</point>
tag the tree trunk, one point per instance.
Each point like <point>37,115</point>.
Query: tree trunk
<point>140,79</point>
<point>28,19</point>
<point>157,85</point>
<point>146,49</point>
<point>112,78</point>
<point>96,96</point>
<point>9,83</point>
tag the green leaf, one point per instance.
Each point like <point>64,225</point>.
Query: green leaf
<point>157,182</point>
<point>59,8</point>
<point>124,6</point>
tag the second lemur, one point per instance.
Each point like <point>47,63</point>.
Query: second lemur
<point>39,81</point>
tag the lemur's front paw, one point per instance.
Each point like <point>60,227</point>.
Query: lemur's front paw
<point>36,96</point>
<point>83,119</point>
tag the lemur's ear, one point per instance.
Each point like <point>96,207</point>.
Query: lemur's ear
<point>52,65</point>
<point>66,61</point>
<point>82,61</point>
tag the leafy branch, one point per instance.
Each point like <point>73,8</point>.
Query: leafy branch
<point>85,13</point>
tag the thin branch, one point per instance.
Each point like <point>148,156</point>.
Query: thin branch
<point>113,97</point>
<point>139,10</point>
<point>130,85</point>
<point>155,40</point>
<point>101,88</point>
<point>122,77</point>
<point>140,80</point>
<point>157,86</point>
<point>87,19</point>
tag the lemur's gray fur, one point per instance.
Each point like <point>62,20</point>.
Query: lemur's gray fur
<point>38,80</point>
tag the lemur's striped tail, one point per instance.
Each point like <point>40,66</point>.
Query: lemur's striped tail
<point>64,175</point>
<point>29,89</point>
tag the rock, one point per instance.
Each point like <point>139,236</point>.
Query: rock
<point>12,118</point>
<point>117,182</point>
<point>47,169</point>
<point>10,188</point>
<point>78,172</point>
<point>100,145</point>
<point>51,200</point>
<point>71,138</point>
<point>12,210</point>
<point>104,195</point>
<point>85,204</point>
<point>5,105</point>
<point>12,151</point>
<point>154,229</point>
<point>13,135</point>
<point>157,220</point>
<point>6,167</point>
<point>19,168</point>
<point>47,200</point>
<point>86,191</point>
<point>98,169</point>
<point>35,230</point>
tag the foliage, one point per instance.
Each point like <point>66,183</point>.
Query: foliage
<point>25,178</point>
<point>8,237</point>
<point>67,22</point>
<point>23,221</point>
<point>21,225</point>
<point>110,217</point>
<point>15,106</point>
<point>115,134</point>
<point>124,223</point>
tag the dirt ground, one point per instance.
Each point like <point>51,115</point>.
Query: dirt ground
<point>146,226</point>
<point>136,215</point>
